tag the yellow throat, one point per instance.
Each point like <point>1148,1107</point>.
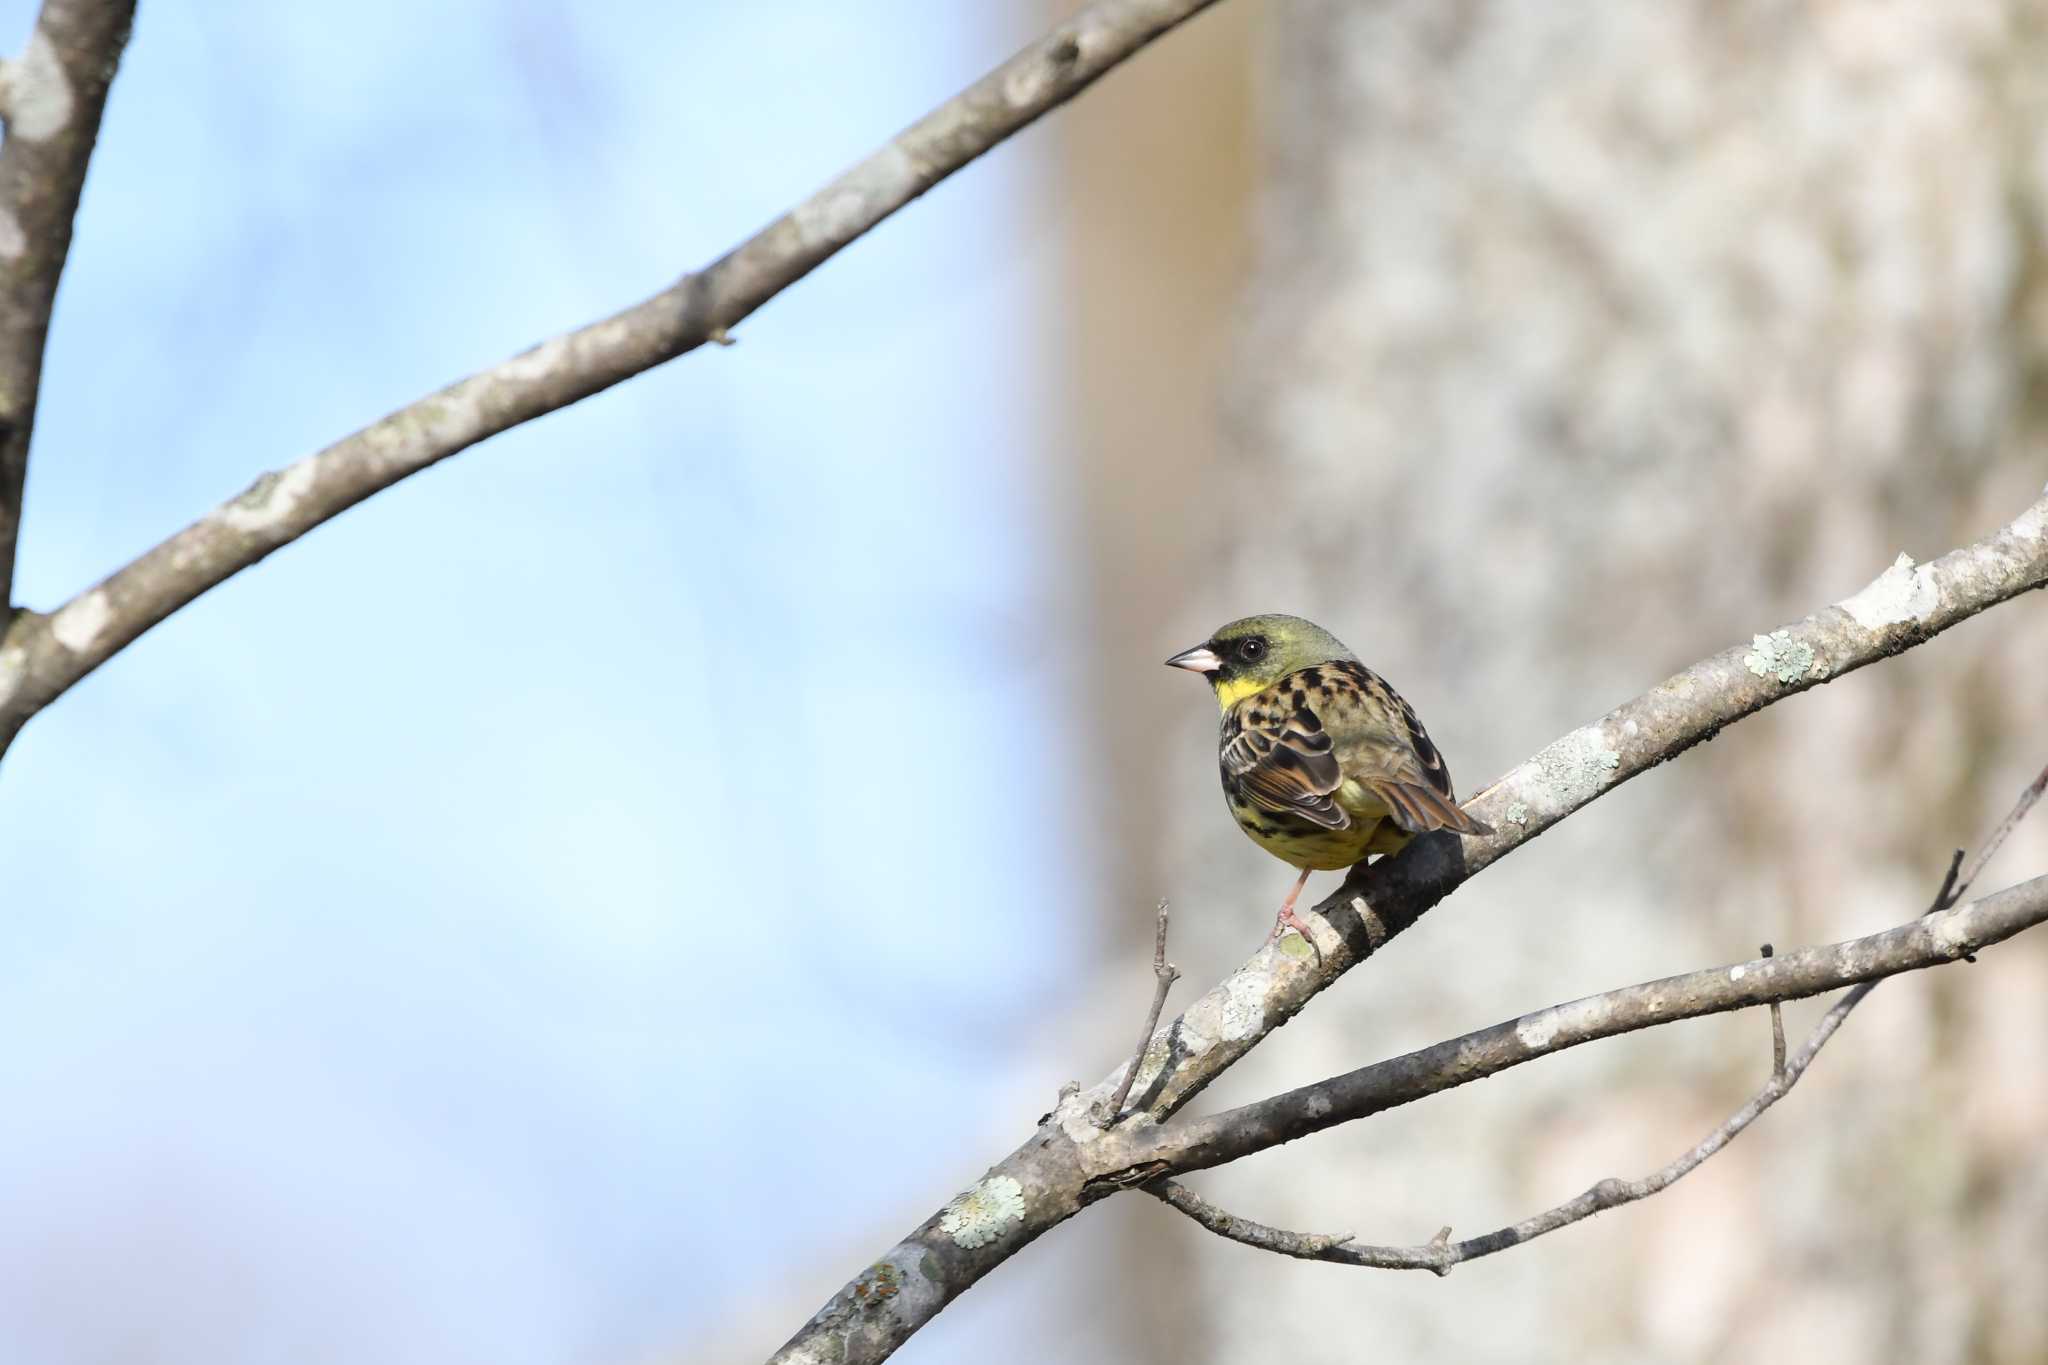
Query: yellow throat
<point>1229,694</point>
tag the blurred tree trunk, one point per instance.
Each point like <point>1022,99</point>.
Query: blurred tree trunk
<point>1155,174</point>
<point>1579,341</point>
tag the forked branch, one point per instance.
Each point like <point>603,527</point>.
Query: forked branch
<point>1070,1160</point>
<point>1440,1253</point>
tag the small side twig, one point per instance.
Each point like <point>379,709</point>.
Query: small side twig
<point>1946,896</point>
<point>1164,974</point>
<point>1307,1246</point>
<point>2033,793</point>
<point>1955,883</point>
<point>1440,1253</point>
<point>1777,1027</point>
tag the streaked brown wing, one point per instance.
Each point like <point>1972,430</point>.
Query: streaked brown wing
<point>1394,758</point>
<point>1283,762</point>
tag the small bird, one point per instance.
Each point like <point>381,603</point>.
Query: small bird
<point>1323,763</point>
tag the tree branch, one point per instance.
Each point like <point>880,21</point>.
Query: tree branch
<point>1440,1253</point>
<point>52,653</point>
<point>1903,607</point>
<point>51,98</point>
<point>1936,938</point>
<point>1069,1161</point>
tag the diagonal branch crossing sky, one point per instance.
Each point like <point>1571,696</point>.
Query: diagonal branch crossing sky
<point>468,935</point>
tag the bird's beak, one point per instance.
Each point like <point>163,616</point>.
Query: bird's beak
<point>1200,659</point>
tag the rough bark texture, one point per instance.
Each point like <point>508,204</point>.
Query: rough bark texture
<point>51,95</point>
<point>1941,938</point>
<point>1069,1164</point>
<point>1586,336</point>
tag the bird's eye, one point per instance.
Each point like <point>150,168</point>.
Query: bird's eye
<point>1250,650</point>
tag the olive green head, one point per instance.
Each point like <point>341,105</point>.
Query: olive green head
<point>1252,654</point>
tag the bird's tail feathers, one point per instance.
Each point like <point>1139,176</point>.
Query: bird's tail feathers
<point>1419,809</point>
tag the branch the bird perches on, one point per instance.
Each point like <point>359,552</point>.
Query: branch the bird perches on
<point>1071,1161</point>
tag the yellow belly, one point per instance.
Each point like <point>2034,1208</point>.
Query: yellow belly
<point>1305,844</point>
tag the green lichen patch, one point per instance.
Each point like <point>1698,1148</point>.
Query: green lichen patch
<point>1577,765</point>
<point>1518,813</point>
<point>1293,945</point>
<point>1779,656</point>
<point>985,1212</point>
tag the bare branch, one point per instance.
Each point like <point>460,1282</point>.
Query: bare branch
<point>1306,1246</point>
<point>1929,941</point>
<point>1069,1161</point>
<point>1164,974</point>
<point>55,652</point>
<point>1440,1253</point>
<point>2026,905</point>
<point>51,97</point>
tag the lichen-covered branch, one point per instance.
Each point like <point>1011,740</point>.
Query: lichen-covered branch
<point>49,654</point>
<point>1940,937</point>
<point>51,96</point>
<point>1440,1253</point>
<point>1069,1161</point>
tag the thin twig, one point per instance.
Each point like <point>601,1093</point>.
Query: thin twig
<point>2006,826</point>
<point>1164,974</point>
<point>1307,1246</point>
<point>1440,1253</point>
<point>1777,1029</point>
<point>1946,896</point>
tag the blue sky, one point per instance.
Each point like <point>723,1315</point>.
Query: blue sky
<point>461,936</point>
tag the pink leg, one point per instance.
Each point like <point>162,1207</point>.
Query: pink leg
<point>1287,919</point>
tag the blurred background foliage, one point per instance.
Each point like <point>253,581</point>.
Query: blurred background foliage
<point>583,904</point>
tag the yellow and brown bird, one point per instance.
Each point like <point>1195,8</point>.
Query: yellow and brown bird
<point>1323,763</point>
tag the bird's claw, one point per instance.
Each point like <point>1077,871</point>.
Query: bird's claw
<point>1289,918</point>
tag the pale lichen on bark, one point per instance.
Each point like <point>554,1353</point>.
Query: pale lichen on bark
<point>35,94</point>
<point>1902,593</point>
<point>79,625</point>
<point>1779,655</point>
<point>267,505</point>
<point>984,1213</point>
